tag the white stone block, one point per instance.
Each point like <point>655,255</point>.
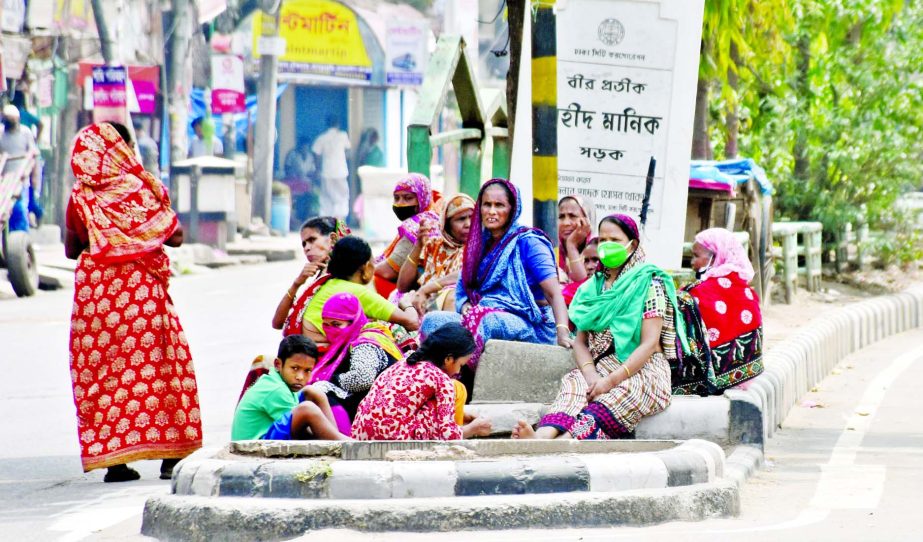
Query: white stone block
<point>610,472</point>
<point>423,479</point>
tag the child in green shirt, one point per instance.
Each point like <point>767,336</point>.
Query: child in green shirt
<point>279,406</point>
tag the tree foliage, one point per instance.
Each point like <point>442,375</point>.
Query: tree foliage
<point>829,98</point>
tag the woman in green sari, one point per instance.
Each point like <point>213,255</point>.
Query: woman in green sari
<point>626,332</point>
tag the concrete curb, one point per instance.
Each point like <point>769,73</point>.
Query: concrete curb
<point>243,519</point>
<point>798,364</point>
<point>697,481</point>
<point>556,469</point>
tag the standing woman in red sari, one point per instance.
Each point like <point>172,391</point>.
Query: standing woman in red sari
<point>133,380</point>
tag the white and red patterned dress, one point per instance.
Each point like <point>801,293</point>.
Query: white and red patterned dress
<point>408,402</point>
<point>133,379</point>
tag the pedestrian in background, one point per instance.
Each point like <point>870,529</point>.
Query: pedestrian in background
<point>133,379</point>
<point>299,170</point>
<point>16,141</point>
<point>197,145</point>
<point>331,148</point>
<point>150,152</point>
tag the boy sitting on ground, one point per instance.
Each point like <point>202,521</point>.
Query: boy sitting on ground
<point>279,406</point>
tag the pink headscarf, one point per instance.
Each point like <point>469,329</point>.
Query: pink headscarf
<point>343,306</point>
<point>728,255</point>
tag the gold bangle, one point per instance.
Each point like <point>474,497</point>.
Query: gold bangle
<point>562,326</point>
<point>411,260</point>
<point>289,294</point>
<point>576,260</point>
<point>627,372</point>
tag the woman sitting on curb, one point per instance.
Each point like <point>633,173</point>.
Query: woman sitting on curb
<point>350,270</point>
<point>430,273</point>
<point>413,202</point>
<point>359,351</point>
<point>417,399</point>
<point>625,333</point>
<point>318,235</point>
<point>729,307</point>
<point>509,285</point>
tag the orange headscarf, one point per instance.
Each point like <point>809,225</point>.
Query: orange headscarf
<point>125,209</point>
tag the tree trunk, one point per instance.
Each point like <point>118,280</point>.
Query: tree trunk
<point>732,121</point>
<point>701,147</point>
<point>516,10</point>
<point>802,89</point>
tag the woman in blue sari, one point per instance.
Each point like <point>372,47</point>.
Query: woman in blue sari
<point>509,286</point>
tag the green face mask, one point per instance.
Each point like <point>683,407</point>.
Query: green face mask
<point>612,254</point>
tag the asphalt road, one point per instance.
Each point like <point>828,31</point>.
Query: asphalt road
<point>847,464</point>
<point>44,495</point>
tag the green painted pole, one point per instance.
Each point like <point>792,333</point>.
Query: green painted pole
<point>419,149</point>
<point>471,153</point>
<point>500,167</point>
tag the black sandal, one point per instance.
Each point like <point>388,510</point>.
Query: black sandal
<point>121,473</point>
<point>166,468</point>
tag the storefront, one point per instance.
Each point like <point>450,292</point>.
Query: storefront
<point>337,64</point>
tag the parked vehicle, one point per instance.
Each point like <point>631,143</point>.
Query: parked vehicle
<point>16,252</point>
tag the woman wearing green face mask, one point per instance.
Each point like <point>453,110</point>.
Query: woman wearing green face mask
<point>625,334</point>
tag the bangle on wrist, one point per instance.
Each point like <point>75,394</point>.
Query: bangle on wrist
<point>562,326</point>
<point>576,260</point>
<point>627,371</point>
<point>289,294</point>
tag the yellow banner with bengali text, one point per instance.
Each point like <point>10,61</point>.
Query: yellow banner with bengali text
<point>318,32</point>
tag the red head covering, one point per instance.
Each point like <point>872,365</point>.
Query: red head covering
<point>125,209</point>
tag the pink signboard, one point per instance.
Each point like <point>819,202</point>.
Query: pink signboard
<point>228,77</point>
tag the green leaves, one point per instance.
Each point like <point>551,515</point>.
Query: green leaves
<point>829,96</point>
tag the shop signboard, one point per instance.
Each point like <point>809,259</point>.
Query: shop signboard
<point>322,38</point>
<point>228,84</point>
<point>110,93</point>
<point>143,85</point>
<point>405,52</point>
<point>626,87</point>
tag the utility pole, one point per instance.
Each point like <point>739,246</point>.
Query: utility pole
<point>265,135</point>
<point>105,39</point>
<point>179,38</point>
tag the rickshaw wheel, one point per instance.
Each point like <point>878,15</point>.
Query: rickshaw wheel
<point>21,265</point>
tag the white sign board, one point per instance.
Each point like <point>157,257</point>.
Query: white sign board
<point>405,52</point>
<point>13,16</point>
<point>627,73</point>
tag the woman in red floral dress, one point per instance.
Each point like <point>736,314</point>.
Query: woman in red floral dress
<point>416,399</point>
<point>133,380</point>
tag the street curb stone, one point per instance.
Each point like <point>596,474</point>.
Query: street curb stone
<point>554,467</point>
<point>655,491</point>
<point>175,518</point>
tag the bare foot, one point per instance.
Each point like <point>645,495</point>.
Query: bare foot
<point>479,427</point>
<point>523,430</point>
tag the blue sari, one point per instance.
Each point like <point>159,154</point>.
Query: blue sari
<point>502,300</point>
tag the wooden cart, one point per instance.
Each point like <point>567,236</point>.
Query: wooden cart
<point>735,195</point>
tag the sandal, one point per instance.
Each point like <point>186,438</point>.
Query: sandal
<point>120,473</point>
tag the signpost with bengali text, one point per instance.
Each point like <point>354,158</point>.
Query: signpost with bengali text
<point>626,84</point>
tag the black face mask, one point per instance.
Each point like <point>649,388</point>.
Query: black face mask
<point>403,212</point>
